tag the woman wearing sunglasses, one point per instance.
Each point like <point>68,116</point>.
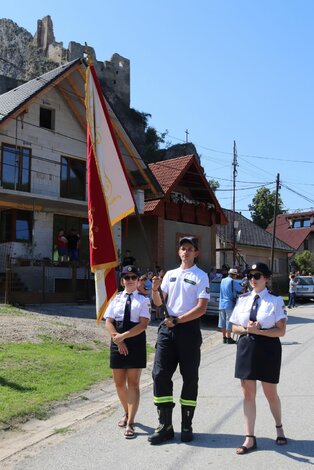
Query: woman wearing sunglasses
<point>127,317</point>
<point>259,318</point>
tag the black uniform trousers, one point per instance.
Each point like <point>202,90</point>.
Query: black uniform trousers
<point>178,345</point>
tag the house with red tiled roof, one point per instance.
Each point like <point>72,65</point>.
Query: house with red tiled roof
<point>297,230</point>
<point>252,244</point>
<point>189,207</point>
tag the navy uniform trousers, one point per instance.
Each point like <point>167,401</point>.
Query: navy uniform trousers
<point>177,345</point>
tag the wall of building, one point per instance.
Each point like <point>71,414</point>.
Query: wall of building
<point>67,139</point>
<point>173,230</point>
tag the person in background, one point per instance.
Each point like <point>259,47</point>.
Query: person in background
<point>127,317</point>
<point>229,289</point>
<point>259,317</point>
<point>73,245</point>
<point>292,290</point>
<point>141,287</point>
<point>212,274</point>
<point>62,246</point>
<point>148,283</point>
<point>128,260</point>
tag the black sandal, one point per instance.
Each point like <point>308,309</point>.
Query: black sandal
<point>129,431</point>
<point>281,441</point>
<point>123,422</point>
<point>246,450</point>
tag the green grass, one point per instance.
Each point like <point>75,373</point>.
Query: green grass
<point>32,376</point>
<point>9,310</point>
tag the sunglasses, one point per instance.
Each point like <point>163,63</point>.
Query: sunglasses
<point>256,276</point>
<point>130,278</point>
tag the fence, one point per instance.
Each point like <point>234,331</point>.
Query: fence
<point>28,281</point>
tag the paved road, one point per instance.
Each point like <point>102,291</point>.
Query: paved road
<point>98,444</point>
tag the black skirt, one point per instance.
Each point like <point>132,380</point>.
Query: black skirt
<point>258,358</point>
<point>136,358</point>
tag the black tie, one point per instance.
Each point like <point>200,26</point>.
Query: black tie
<point>127,312</point>
<point>254,307</point>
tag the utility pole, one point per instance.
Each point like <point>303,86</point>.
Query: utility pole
<point>274,225</point>
<point>234,222</point>
<point>186,135</point>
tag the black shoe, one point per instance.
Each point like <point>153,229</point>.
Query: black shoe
<point>162,433</point>
<point>224,340</point>
<point>245,450</point>
<point>187,435</point>
<point>186,424</point>
<point>231,341</point>
<point>165,431</point>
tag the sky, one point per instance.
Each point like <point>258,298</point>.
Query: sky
<point>225,70</point>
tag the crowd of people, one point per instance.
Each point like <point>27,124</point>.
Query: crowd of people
<point>254,314</point>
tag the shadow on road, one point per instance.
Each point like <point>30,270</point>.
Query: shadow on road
<point>299,320</point>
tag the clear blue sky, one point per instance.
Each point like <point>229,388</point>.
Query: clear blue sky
<point>225,70</point>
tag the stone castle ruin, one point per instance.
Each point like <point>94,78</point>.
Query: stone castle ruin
<point>36,55</point>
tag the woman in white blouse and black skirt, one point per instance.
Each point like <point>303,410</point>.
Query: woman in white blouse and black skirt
<point>259,318</point>
<point>127,317</point>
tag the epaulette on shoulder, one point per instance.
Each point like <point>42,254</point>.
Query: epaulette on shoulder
<point>244,295</point>
<point>273,293</point>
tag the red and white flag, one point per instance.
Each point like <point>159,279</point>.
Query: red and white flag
<point>110,197</point>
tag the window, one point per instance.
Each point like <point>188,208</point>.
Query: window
<point>16,226</point>
<point>47,118</point>
<point>301,223</point>
<point>73,178</point>
<point>16,168</point>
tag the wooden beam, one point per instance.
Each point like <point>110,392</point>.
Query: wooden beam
<point>70,103</point>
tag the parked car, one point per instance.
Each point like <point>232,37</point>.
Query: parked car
<point>305,288</point>
<point>214,292</point>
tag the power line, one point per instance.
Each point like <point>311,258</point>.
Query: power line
<point>76,96</point>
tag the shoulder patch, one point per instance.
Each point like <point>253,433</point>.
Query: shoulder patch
<point>190,282</point>
<point>273,293</point>
<point>172,279</point>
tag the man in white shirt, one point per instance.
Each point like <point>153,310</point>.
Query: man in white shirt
<point>179,339</point>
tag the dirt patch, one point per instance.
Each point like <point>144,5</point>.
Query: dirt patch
<point>69,324</point>
<point>33,327</point>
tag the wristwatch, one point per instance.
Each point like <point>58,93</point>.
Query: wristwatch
<point>174,320</point>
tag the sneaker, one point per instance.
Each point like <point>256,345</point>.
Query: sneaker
<point>230,341</point>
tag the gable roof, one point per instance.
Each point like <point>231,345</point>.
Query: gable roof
<point>251,234</point>
<point>292,236</point>
<point>184,171</point>
<point>69,81</point>
<point>13,100</point>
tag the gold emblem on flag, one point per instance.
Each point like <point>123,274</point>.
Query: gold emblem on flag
<point>92,228</point>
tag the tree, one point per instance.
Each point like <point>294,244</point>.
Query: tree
<point>304,261</point>
<point>263,205</point>
<point>214,184</point>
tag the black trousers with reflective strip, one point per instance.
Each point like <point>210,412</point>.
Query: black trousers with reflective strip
<point>178,345</point>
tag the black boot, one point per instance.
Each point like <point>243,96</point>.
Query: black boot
<point>186,424</point>
<point>164,432</point>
